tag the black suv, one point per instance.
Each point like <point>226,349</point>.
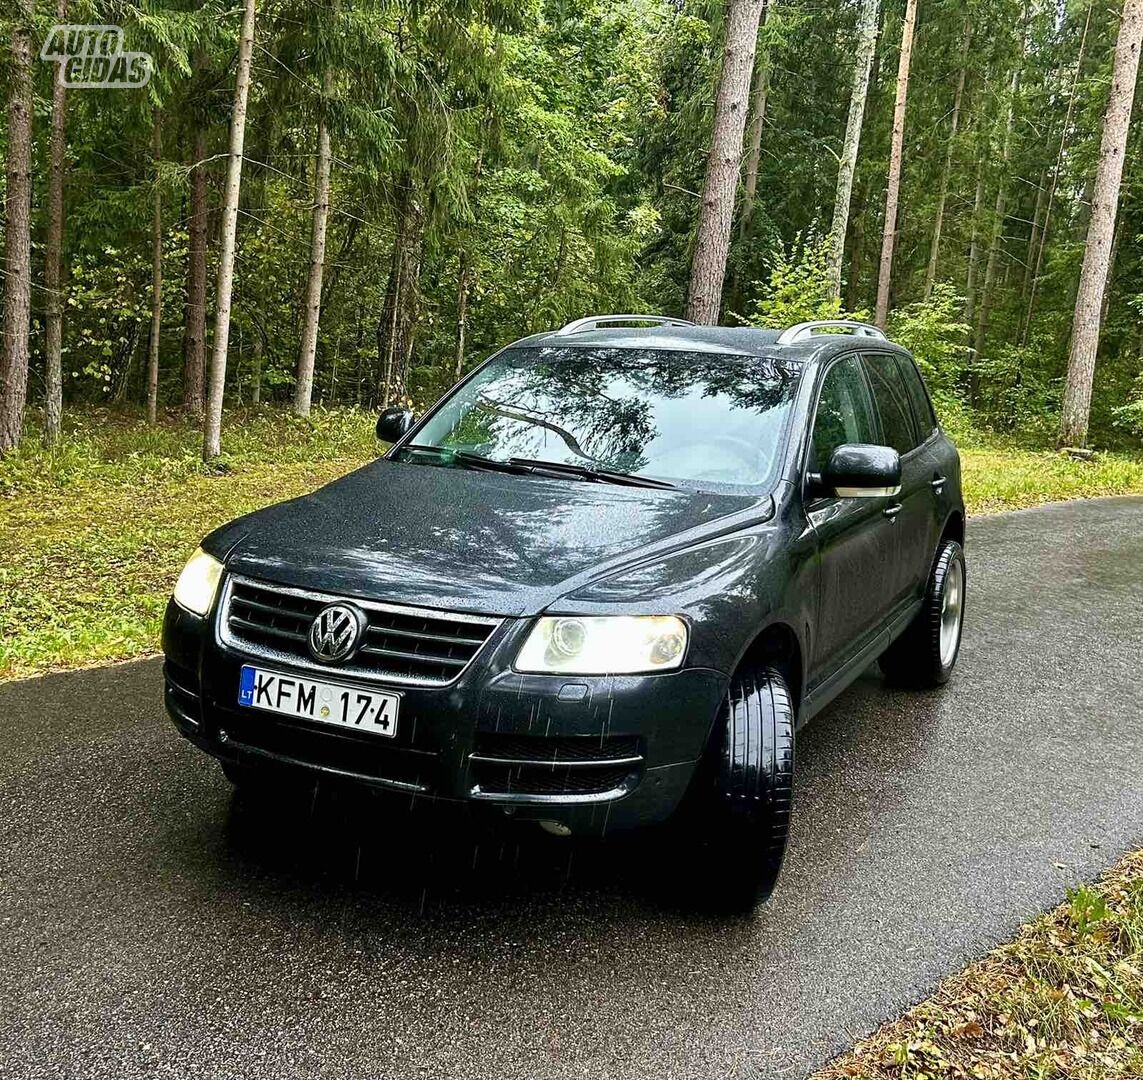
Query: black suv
<point>597,585</point>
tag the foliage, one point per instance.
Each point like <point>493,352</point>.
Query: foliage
<point>798,288</point>
<point>1065,999</point>
<point>554,152</point>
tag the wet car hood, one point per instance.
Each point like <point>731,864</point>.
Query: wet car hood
<point>468,540</point>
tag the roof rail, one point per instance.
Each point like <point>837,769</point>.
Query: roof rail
<point>803,331</point>
<point>594,322</point>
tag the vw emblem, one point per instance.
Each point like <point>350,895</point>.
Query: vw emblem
<point>334,633</point>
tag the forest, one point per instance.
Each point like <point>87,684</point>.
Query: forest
<point>352,202</point>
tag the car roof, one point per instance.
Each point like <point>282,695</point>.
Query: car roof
<point>785,345</point>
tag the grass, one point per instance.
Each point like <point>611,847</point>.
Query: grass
<point>93,533</point>
<point>1063,1000</point>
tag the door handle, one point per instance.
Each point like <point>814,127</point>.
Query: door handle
<point>938,483</point>
<point>891,512</point>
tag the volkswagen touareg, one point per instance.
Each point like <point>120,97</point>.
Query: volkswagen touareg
<point>597,585</point>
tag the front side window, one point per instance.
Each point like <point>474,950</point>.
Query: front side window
<point>686,417</point>
<point>844,413</point>
<point>892,402</point>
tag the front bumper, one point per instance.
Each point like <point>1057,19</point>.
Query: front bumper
<point>592,753</point>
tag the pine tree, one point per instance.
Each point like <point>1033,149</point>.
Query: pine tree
<point>712,243</point>
<point>17,235</point>
<point>1101,229</point>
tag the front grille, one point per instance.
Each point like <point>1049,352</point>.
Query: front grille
<point>400,645</point>
<point>565,767</point>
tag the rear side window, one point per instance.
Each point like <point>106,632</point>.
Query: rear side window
<point>844,413</point>
<point>922,408</point>
<point>892,401</point>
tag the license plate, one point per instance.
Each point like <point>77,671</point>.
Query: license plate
<point>328,703</point>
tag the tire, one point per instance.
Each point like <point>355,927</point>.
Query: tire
<point>924,656</point>
<point>740,814</point>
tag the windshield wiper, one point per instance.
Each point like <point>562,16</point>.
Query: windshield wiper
<point>586,472</point>
<point>465,457</point>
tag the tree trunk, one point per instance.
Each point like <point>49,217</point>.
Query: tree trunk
<point>712,244</point>
<point>893,192</point>
<point>398,321</point>
<point>862,66</point>
<point>212,429</point>
<point>758,100</point>
<point>53,254</point>
<point>156,276</point>
<point>256,374</point>
<point>946,172</point>
<point>304,382</point>
<point>194,336</point>
<point>999,215</point>
<point>1101,229</point>
<point>1033,244</point>
<point>463,284</point>
<point>1030,310</point>
<point>974,244</point>
<point>17,235</point>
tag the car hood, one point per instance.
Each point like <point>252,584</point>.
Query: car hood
<point>470,540</point>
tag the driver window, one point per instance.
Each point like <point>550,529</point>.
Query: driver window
<point>844,413</point>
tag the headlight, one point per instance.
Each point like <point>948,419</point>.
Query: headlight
<point>604,645</point>
<point>198,583</point>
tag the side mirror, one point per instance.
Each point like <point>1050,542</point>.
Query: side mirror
<point>861,471</point>
<point>393,423</point>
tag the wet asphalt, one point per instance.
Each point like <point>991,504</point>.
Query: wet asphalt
<point>153,924</point>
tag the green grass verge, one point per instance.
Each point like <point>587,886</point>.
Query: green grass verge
<point>93,533</point>
<point>1064,1000</point>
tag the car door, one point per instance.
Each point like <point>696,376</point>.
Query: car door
<point>912,523</point>
<point>853,535</point>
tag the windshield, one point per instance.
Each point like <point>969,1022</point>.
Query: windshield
<point>698,418</point>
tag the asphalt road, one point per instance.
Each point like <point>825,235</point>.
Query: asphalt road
<point>153,925</point>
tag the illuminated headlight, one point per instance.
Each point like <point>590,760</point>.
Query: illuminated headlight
<point>198,583</point>
<point>604,645</point>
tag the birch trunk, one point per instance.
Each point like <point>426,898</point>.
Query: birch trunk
<point>712,244</point>
<point>17,234</point>
<point>758,98</point>
<point>304,382</point>
<point>946,172</point>
<point>53,255</point>
<point>896,152</point>
<point>464,275</point>
<point>999,214</point>
<point>1101,228</point>
<point>194,335</point>
<point>156,275</point>
<point>862,66</point>
<point>212,429</point>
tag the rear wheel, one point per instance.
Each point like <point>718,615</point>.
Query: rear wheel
<point>926,653</point>
<point>740,813</point>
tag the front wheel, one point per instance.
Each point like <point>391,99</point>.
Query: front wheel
<point>925,654</point>
<point>740,808</point>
